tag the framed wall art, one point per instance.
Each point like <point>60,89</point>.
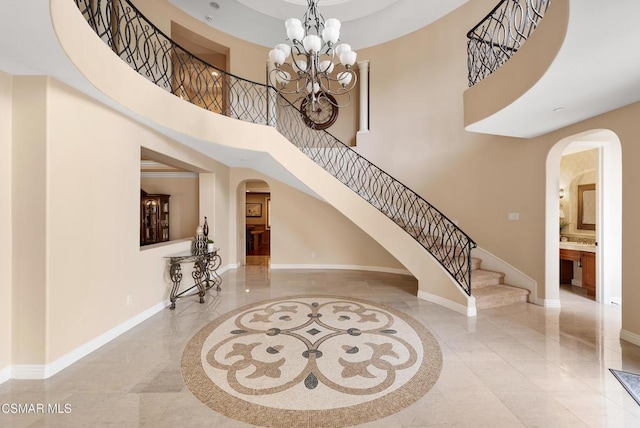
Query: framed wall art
<point>254,210</point>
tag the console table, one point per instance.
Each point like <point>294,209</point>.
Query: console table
<point>205,266</point>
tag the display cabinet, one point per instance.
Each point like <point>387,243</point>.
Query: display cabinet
<point>154,218</point>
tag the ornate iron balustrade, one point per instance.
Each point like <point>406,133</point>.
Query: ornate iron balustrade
<point>500,34</point>
<point>155,56</point>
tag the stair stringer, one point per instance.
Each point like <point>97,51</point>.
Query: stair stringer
<point>195,127</point>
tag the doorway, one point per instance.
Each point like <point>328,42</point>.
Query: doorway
<point>257,223</point>
<point>603,149</point>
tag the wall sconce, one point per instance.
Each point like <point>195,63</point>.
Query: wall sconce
<point>561,194</point>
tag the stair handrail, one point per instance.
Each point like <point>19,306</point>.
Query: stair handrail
<point>153,54</point>
<point>499,35</point>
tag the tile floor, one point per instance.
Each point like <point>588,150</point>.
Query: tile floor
<point>519,365</point>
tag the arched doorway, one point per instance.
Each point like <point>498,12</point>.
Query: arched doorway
<point>608,214</point>
<point>257,223</point>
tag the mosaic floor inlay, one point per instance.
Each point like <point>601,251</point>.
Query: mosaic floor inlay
<point>305,360</point>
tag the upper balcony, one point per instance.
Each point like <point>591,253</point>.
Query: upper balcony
<point>581,61</point>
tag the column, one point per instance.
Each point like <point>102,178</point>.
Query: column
<point>364,96</point>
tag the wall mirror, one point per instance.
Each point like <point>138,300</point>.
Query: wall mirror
<point>587,206</point>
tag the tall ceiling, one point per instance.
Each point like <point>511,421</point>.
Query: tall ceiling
<point>365,22</point>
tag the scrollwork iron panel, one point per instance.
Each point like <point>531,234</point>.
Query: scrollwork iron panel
<point>156,57</point>
<point>500,34</point>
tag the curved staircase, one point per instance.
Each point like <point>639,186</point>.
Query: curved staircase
<point>428,235</point>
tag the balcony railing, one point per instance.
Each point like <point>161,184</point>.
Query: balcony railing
<point>156,57</point>
<point>500,34</point>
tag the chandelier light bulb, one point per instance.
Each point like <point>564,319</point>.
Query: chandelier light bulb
<point>301,65</point>
<point>312,43</point>
<point>325,66</point>
<point>292,22</point>
<point>316,87</point>
<point>295,33</point>
<point>341,48</point>
<point>284,48</point>
<point>331,35</point>
<point>332,22</point>
<point>348,58</point>
<point>277,56</point>
<point>344,77</point>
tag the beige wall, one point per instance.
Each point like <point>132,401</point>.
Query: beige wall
<point>308,231</point>
<point>5,219</point>
<point>82,214</point>
<point>31,238</point>
<point>184,215</point>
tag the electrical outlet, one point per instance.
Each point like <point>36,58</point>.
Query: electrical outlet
<point>313,254</point>
<point>129,300</point>
<point>514,216</point>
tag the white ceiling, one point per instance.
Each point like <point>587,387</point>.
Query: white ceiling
<point>365,22</point>
<point>596,70</point>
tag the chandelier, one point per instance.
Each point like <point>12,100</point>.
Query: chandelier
<point>320,70</point>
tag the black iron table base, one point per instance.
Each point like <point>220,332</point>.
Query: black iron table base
<point>205,275</point>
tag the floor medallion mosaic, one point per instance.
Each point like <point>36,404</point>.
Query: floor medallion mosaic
<point>311,361</point>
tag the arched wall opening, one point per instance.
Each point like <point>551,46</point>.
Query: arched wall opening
<point>608,234</point>
<point>254,222</point>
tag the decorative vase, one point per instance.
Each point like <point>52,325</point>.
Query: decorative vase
<point>205,227</point>
<point>200,241</point>
<point>210,247</point>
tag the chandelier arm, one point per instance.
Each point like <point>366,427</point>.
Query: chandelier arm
<point>334,102</point>
<point>341,89</point>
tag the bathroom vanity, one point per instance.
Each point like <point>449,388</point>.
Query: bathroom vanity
<point>585,257</point>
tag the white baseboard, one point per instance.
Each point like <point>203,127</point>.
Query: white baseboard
<point>469,311</point>
<point>5,374</point>
<point>630,337</point>
<point>548,303</point>
<point>228,267</point>
<point>342,267</point>
<point>44,371</point>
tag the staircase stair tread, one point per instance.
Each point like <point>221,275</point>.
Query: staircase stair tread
<point>481,278</point>
<point>499,295</point>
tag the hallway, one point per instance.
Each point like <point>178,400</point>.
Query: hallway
<point>519,365</point>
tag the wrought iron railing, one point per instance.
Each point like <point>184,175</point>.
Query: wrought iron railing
<point>500,34</point>
<point>155,56</point>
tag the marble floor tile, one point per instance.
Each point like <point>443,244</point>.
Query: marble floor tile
<point>519,365</point>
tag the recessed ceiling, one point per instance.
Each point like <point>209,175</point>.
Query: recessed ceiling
<point>366,22</point>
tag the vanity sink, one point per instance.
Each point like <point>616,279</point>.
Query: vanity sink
<point>578,246</point>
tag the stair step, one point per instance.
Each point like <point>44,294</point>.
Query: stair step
<point>485,278</point>
<point>476,263</point>
<point>499,295</point>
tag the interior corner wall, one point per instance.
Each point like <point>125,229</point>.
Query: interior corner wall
<point>6,280</point>
<point>30,238</point>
